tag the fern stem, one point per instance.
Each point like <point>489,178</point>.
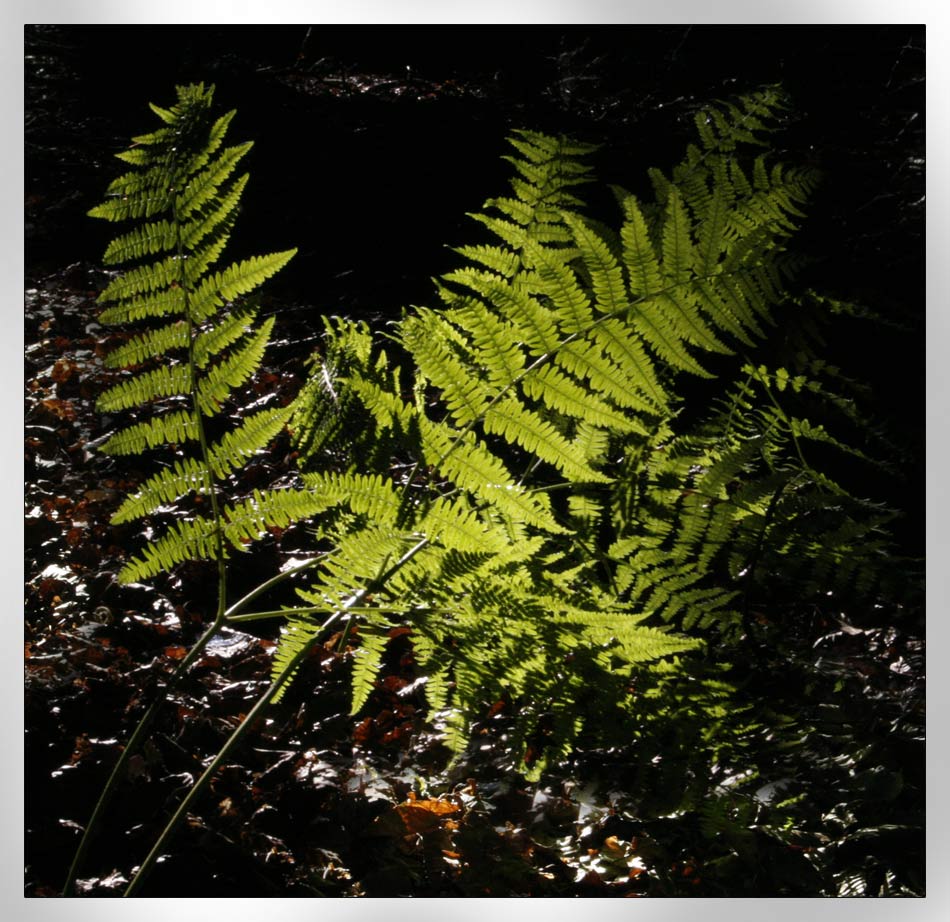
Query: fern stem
<point>222,754</point>
<point>145,722</point>
<point>130,748</point>
<point>231,613</point>
<point>324,610</point>
<point>374,585</point>
<point>199,422</point>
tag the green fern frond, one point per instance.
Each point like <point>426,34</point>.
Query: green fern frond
<point>677,247</point>
<point>469,464</point>
<point>518,425</point>
<point>366,661</point>
<point>255,432</point>
<point>496,341</point>
<point>186,540</point>
<point>465,396</point>
<point>166,381</point>
<point>183,202</point>
<point>140,308</point>
<point>203,187</point>
<point>172,428</point>
<point>248,520</point>
<point>213,341</point>
<point>155,237</point>
<point>561,394</point>
<point>162,489</point>
<point>233,371</point>
<point>639,256</point>
<point>622,635</point>
<point>371,495</point>
<point>149,345</point>
<point>496,259</point>
<point>238,279</point>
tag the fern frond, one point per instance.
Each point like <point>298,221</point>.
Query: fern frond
<point>677,247</point>
<point>366,660</point>
<point>149,345</point>
<point>172,428</point>
<point>202,188</point>
<point>238,279</point>
<point>639,256</point>
<point>163,488</point>
<point>166,381</point>
<point>621,384</point>
<point>496,259</point>
<point>139,308</point>
<point>186,540</point>
<point>622,635</point>
<point>465,396</point>
<point>181,195</point>
<point>248,520</point>
<point>233,371</point>
<point>254,433</point>
<point>212,341</point>
<point>370,495</point>
<point>155,237</point>
<point>496,341</point>
<point>560,393</point>
<point>520,426</point>
<point>470,465</point>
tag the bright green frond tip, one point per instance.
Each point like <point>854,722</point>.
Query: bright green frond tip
<point>196,344</point>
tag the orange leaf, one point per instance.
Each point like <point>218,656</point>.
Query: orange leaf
<point>422,816</point>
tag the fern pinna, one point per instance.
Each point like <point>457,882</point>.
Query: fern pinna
<point>204,340</point>
<point>533,445</point>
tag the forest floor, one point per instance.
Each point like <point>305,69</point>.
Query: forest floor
<point>316,803</point>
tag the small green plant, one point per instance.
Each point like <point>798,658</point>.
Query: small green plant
<point>202,341</point>
<point>513,477</point>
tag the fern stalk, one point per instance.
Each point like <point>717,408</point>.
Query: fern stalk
<point>277,684</point>
<point>199,425</point>
<point>230,616</point>
<point>179,171</point>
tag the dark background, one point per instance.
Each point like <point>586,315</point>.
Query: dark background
<point>373,142</point>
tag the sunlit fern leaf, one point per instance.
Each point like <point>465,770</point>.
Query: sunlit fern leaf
<point>165,381</point>
<point>677,247</point>
<point>496,341</point>
<point>164,488</point>
<point>212,341</point>
<point>172,428</point>
<point>469,464</point>
<point>186,540</point>
<point>564,396</point>
<point>139,308</point>
<point>221,379</point>
<point>366,659</point>
<point>239,278</point>
<point>255,432</point>
<point>639,256</point>
<point>182,201</point>
<point>149,345</point>
<point>503,262</point>
<point>511,420</point>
